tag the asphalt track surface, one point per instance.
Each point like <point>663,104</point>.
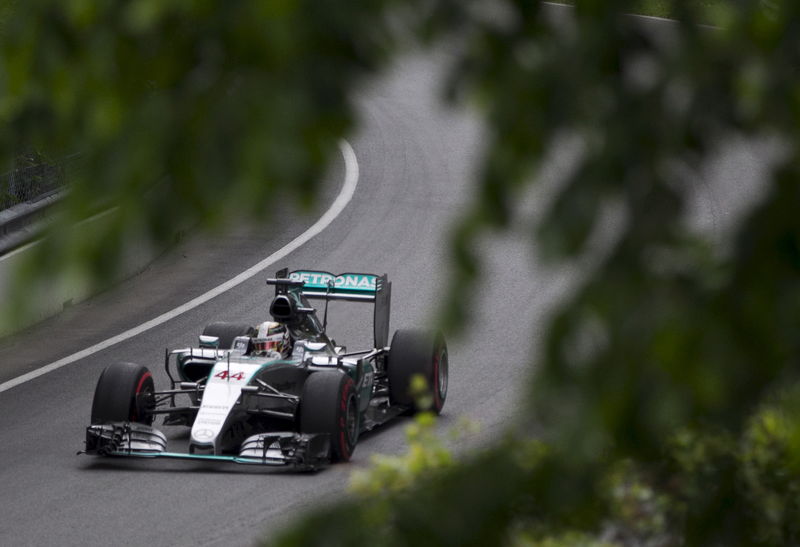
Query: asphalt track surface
<point>416,162</point>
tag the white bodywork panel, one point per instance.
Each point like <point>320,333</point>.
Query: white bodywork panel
<point>222,391</point>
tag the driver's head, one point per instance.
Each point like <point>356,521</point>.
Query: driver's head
<point>272,338</point>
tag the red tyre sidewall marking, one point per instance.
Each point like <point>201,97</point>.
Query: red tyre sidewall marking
<point>344,447</point>
<point>144,377</point>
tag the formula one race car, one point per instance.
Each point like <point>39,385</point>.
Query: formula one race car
<point>281,393</point>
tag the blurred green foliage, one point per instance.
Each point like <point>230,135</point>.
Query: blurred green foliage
<point>185,112</point>
<point>664,393</point>
<point>653,391</point>
<point>426,453</point>
<point>770,469</point>
<point>33,176</point>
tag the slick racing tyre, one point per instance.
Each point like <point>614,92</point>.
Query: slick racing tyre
<point>415,352</point>
<point>226,332</point>
<point>328,405</point>
<point>124,393</point>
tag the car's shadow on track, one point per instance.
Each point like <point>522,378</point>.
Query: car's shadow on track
<point>154,465</point>
<point>179,437</point>
<point>401,421</point>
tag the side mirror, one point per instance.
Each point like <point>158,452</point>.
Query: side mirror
<point>242,345</point>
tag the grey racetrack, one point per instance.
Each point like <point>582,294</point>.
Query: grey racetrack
<point>417,160</point>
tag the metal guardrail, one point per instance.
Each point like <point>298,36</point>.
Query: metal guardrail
<point>31,182</point>
<point>27,195</point>
<point>22,223</point>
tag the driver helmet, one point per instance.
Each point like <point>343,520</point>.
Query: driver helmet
<point>271,338</point>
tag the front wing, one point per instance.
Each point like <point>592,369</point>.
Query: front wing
<point>301,451</point>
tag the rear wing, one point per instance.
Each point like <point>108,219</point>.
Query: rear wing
<point>350,286</point>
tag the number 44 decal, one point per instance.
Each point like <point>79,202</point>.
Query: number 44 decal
<point>223,375</point>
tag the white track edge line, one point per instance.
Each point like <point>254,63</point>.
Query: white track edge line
<point>336,208</point>
<point>633,15</point>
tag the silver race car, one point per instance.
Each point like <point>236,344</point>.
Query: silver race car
<point>280,393</point>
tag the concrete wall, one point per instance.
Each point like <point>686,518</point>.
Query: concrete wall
<point>69,286</point>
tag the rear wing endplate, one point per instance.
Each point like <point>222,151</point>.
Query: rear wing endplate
<point>350,286</point>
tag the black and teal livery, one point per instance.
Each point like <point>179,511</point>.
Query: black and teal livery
<point>304,409</point>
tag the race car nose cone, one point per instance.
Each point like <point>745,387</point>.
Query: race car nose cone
<point>201,449</point>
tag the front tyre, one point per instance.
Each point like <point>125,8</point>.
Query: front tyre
<point>328,405</point>
<point>412,353</point>
<point>124,393</point>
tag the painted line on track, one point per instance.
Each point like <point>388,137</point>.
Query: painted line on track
<point>634,15</point>
<point>655,18</point>
<point>339,204</point>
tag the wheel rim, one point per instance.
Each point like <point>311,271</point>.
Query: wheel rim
<point>142,400</point>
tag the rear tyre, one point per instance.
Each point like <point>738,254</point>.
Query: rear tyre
<point>124,393</point>
<point>328,405</point>
<point>415,352</point>
<point>226,332</point>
